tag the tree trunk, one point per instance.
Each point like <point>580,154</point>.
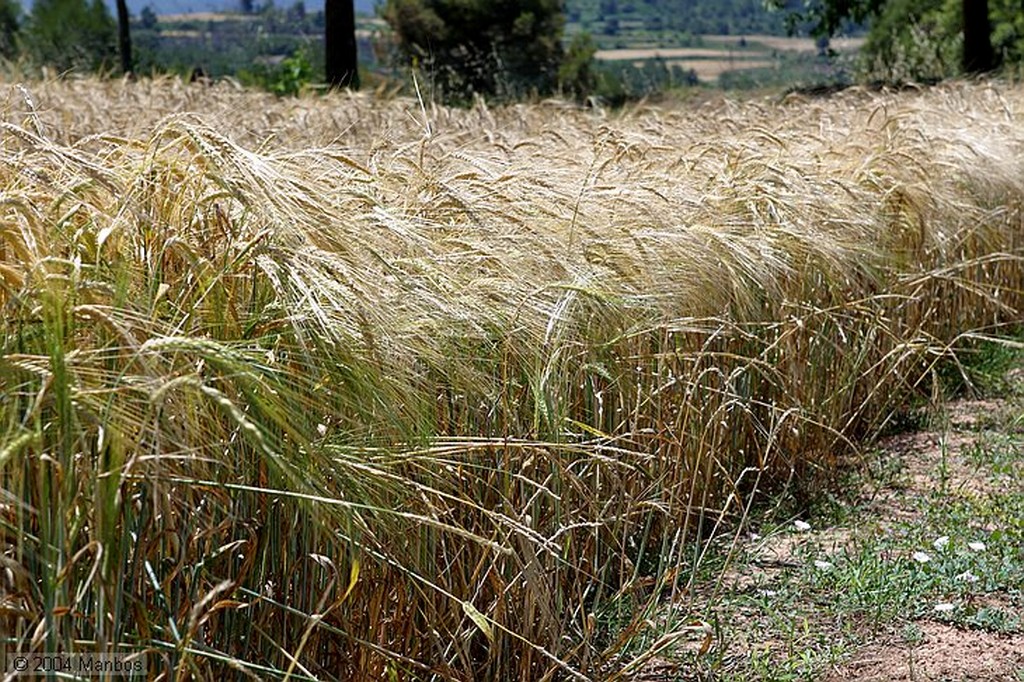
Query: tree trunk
<point>340,43</point>
<point>978,54</point>
<point>124,38</point>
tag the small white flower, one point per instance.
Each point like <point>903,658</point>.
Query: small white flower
<point>966,577</point>
<point>944,608</point>
<point>921,557</point>
<point>941,542</point>
<point>802,526</point>
<point>823,565</point>
<point>977,546</point>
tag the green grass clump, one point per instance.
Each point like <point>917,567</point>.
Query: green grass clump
<point>343,388</point>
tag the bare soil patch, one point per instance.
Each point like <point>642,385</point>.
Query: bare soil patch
<point>940,462</point>
<point>787,44</point>
<point>956,460</point>
<point>711,69</point>
<point>706,63</point>
<point>944,653</point>
<point>207,16</point>
<point>633,53</point>
<point>688,53</point>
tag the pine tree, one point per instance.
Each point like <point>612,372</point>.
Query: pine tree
<point>124,37</point>
<point>342,62</point>
<point>506,48</point>
<point>9,25</point>
<point>71,34</point>
<point>978,54</point>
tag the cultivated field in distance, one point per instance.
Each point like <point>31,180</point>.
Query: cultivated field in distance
<point>723,53</point>
<point>341,388</point>
<point>842,44</point>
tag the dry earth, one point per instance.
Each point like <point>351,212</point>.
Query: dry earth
<point>707,63</point>
<point>787,44</point>
<point>928,462</point>
<point>932,461</point>
<point>632,53</point>
<point>935,461</point>
<point>710,69</point>
<point>944,654</point>
<point>726,54</point>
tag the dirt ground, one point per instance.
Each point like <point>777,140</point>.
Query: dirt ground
<point>942,652</point>
<point>929,461</point>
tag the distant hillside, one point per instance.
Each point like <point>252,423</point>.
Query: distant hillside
<point>667,20</point>
<point>600,17</point>
<point>188,6</point>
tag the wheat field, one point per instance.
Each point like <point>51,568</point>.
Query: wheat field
<point>344,387</point>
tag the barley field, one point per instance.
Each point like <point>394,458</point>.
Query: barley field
<point>348,388</point>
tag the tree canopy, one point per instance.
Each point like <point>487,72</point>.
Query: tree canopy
<point>506,48</point>
<point>9,25</point>
<point>341,57</point>
<point>72,34</point>
<point>919,36</point>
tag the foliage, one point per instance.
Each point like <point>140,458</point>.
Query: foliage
<point>148,19</point>
<point>922,40</point>
<point>914,40</point>
<point>10,23</point>
<point>576,75</point>
<point>827,17</point>
<point>247,48</point>
<point>1007,30</point>
<point>287,78</point>
<point>295,73</point>
<point>618,82</point>
<point>72,34</point>
<point>481,47</point>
